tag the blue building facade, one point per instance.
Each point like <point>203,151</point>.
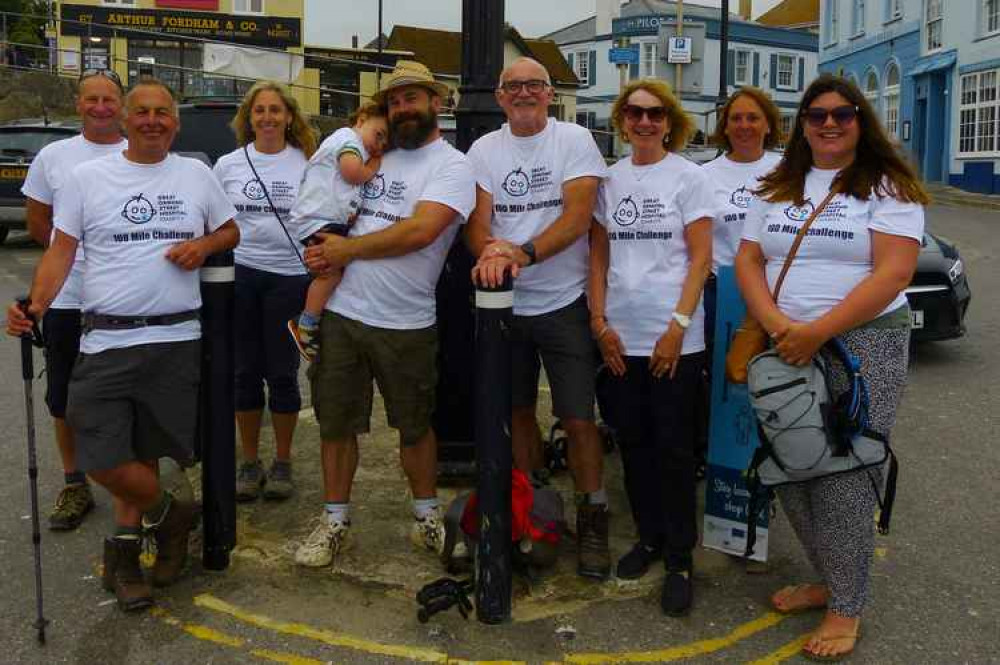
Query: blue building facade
<point>933,77</point>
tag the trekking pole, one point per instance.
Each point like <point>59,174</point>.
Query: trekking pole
<point>34,338</point>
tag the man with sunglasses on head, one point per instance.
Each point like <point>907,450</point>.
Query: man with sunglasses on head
<point>99,104</point>
<point>537,182</point>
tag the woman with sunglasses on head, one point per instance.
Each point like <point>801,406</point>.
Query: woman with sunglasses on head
<point>846,280</point>
<point>261,178</point>
<point>651,251</point>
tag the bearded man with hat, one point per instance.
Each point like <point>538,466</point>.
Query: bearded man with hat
<point>380,323</point>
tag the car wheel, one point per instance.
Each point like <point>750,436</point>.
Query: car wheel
<point>4,230</point>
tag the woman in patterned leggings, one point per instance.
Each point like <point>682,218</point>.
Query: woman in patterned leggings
<point>846,281</point>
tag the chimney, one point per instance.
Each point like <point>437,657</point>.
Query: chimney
<point>605,11</point>
<point>354,41</point>
<point>746,9</point>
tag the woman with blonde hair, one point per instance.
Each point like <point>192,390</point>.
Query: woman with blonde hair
<point>651,251</point>
<point>261,178</point>
<point>846,281</point>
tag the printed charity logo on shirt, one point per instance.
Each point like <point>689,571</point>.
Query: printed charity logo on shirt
<point>254,190</point>
<point>374,188</point>
<point>517,182</point>
<point>138,210</point>
<point>626,213</point>
<point>647,211</point>
<point>800,213</point>
<point>741,198</point>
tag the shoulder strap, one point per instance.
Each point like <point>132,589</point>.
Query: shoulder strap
<point>798,241</point>
<point>267,195</point>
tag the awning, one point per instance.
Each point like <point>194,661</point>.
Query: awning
<point>932,63</point>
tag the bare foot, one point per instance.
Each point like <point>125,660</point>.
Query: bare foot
<point>800,597</point>
<point>834,638</point>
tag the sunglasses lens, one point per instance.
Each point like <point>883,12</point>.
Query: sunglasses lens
<point>843,114</point>
<point>815,117</point>
<point>655,113</point>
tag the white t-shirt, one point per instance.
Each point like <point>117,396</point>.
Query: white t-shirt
<point>129,215</point>
<point>525,177</point>
<point>836,253</point>
<point>398,292</point>
<point>732,190</point>
<point>46,175</point>
<point>324,196</point>
<point>645,210</point>
<point>263,243</point>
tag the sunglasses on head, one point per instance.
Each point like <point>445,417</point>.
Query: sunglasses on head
<point>635,113</point>
<point>109,74</point>
<point>842,115</point>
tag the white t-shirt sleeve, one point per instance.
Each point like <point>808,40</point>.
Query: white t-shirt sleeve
<point>479,167</point>
<point>454,186</point>
<point>753,225</point>
<point>696,198</point>
<point>584,157</point>
<point>36,184</point>
<point>601,205</point>
<point>68,207</point>
<point>898,218</point>
<point>219,209</point>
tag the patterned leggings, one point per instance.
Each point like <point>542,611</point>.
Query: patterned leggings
<point>833,517</point>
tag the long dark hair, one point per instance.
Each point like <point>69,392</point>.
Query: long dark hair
<point>877,168</point>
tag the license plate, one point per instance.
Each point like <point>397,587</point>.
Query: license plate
<point>917,318</point>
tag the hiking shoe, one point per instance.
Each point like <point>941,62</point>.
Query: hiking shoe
<point>636,563</point>
<point>677,594</point>
<point>123,576</point>
<point>428,533</point>
<point>324,543</point>
<point>306,339</point>
<point>249,481</point>
<point>73,504</point>
<point>279,485</point>
<point>593,555</point>
<point>171,536</point>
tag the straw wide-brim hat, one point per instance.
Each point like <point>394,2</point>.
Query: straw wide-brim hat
<point>410,72</point>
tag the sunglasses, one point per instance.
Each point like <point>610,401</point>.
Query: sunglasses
<point>106,73</point>
<point>842,115</point>
<point>533,86</point>
<point>635,113</point>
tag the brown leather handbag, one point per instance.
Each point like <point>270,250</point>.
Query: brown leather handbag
<point>750,338</point>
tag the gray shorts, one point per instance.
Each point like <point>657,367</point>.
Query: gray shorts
<point>139,403</point>
<point>561,341</point>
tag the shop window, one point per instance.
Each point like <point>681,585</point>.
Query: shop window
<point>248,6</point>
<point>978,114</point>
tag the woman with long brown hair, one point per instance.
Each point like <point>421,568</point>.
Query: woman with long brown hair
<point>261,178</point>
<point>846,281</point>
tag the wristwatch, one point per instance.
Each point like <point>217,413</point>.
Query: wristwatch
<point>682,320</point>
<point>529,249</point>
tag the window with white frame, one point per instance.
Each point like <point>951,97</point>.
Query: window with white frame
<point>647,65</point>
<point>871,89</point>
<point>893,9</point>
<point>127,3</point>
<point>858,19</point>
<point>991,16</point>
<point>891,96</point>
<point>832,21</point>
<point>581,63</point>
<point>248,6</point>
<point>978,113</point>
<point>934,20</point>
<point>786,122</point>
<point>741,67</point>
<point>786,70</point>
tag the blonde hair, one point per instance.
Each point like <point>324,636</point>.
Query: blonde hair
<point>300,133</point>
<point>365,111</point>
<point>682,127</point>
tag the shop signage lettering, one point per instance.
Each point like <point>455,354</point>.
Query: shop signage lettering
<point>88,20</point>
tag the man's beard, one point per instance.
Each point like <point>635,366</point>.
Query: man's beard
<point>411,135</point>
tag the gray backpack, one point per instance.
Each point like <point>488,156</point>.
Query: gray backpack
<point>805,432</point>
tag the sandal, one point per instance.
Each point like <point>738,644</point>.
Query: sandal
<point>833,657</point>
<point>789,592</point>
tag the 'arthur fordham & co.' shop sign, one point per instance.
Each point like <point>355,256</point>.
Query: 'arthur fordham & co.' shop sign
<point>89,20</point>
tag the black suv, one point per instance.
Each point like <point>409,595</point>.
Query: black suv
<point>20,141</point>
<point>205,131</point>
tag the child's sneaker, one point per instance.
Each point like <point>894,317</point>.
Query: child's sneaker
<point>306,339</point>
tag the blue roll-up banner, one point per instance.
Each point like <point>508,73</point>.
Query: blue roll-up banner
<point>732,438</point>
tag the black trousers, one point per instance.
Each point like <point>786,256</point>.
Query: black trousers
<point>655,422</point>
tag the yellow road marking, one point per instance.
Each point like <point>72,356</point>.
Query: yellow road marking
<point>682,651</point>
<point>200,632</point>
<point>783,653</point>
<point>210,602</point>
<point>286,658</point>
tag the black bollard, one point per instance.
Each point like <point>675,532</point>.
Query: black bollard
<point>217,412</point>
<point>493,450</point>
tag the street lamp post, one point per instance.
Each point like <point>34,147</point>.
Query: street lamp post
<point>723,56</point>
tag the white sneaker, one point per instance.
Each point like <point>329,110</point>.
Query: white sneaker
<point>428,532</point>
<point>326,540</point>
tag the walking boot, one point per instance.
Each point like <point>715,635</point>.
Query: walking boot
<point>172,542</point>
<point>123,576</point>
<point>593,554</point>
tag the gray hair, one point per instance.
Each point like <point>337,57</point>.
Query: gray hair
<point>150,81</point>
<point>523,59</point>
